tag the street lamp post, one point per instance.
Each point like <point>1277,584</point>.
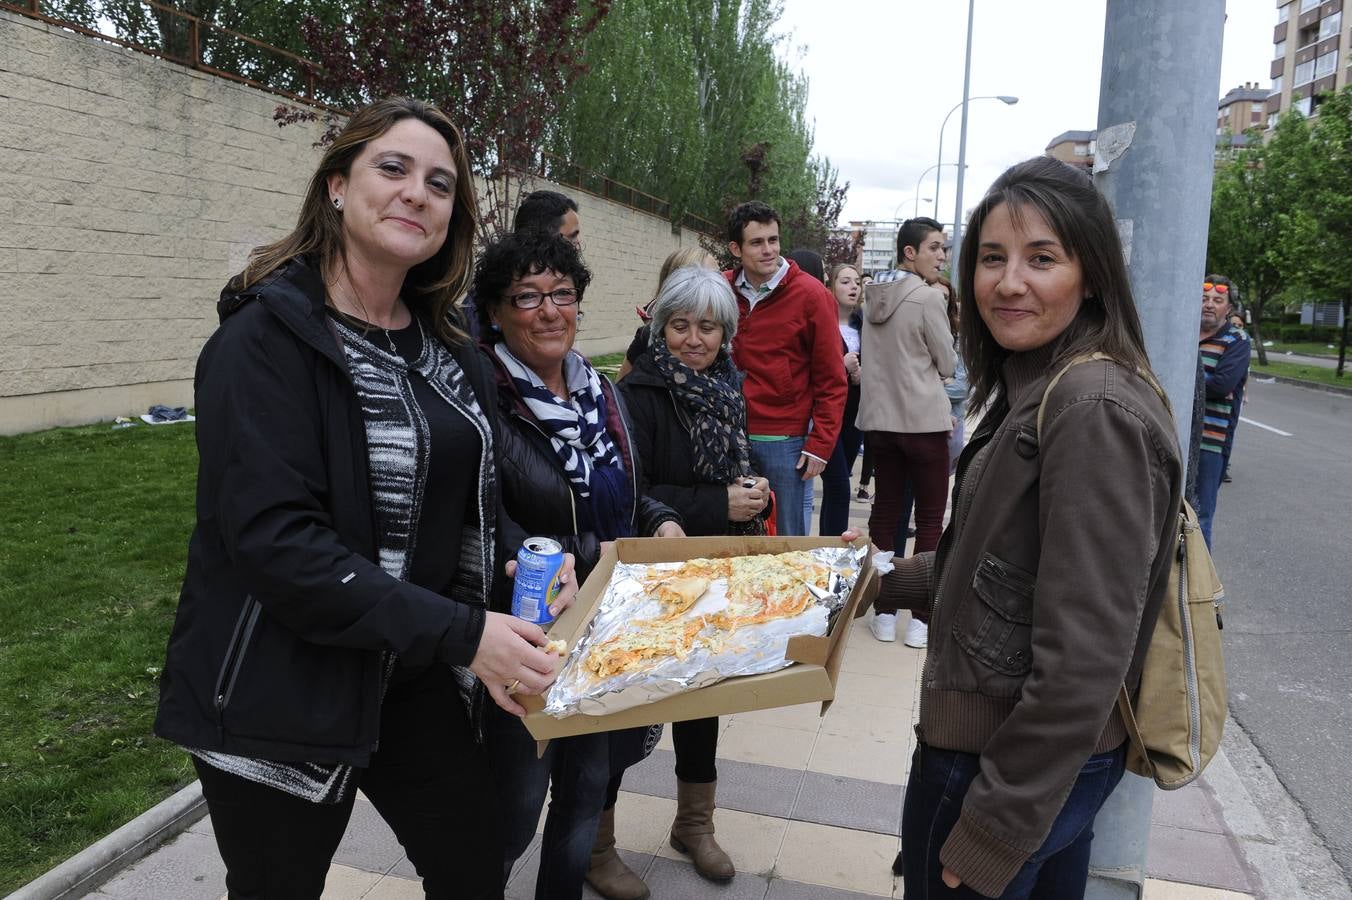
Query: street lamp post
<point>938,165</point>
<point>1003,98</point>
<point>962,139</point>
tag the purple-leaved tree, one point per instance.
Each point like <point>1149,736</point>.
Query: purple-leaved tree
<point>498,67</point>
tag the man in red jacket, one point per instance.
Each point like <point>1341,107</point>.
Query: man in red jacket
<point>788,345</point>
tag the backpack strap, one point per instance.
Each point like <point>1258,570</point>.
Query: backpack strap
<point>1123,697</point>
<point>1056,379</point>
<point>1090,357</point>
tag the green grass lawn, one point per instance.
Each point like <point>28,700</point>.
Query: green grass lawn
<point>1318,374</point>
<point>92,546</point>
<point>1320,348</point>
<point>608,364</point>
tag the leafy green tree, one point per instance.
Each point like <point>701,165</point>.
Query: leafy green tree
<point>1250,197</point>
<point>693,100</point>
<point>1317,241</point>
<point>500,68</point>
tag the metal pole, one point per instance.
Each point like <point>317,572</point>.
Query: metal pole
<point>962,140</point>
<point>939,166</point>
<point>1003,98</point>
<point>922,178</point>
<point>1153,161</point>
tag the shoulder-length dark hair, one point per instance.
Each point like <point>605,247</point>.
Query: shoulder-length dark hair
<point>1083,222</point>
<point>432,287</point>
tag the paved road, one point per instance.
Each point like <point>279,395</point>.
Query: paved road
<point>1281,543</point>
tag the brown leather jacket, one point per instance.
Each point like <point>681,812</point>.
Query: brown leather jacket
<point>1046,586</point>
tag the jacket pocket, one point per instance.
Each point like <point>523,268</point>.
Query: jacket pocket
<point>234,655</point>
<point>290,691</point>
<point>995,625</point>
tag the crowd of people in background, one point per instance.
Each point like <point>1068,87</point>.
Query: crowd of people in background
<point>383,420</point>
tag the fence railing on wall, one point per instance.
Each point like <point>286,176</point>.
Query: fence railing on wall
<point>570,174</point>
<point>188,40</point>
<point>171,34</point>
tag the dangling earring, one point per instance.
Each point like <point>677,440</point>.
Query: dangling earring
<point>338,203</point>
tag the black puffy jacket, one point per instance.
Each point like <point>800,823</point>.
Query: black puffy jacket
<point>535,490</point>
<point>662,438</point>
<point>276,648</point>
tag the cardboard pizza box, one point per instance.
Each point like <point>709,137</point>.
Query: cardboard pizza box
<point>811,678</point>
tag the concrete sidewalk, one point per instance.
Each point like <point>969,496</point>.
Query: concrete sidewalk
<point>809,809</point>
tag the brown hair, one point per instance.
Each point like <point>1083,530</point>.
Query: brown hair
<point>837,269</point>
<point>435,285</point>
<point>953,308</point>
<point>1083,222</point>
<point>835,273</point>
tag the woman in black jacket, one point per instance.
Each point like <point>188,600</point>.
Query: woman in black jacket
<point>689,419</point>
<point>835,515</point>
<point>333,627</point>
<point>569,472</point>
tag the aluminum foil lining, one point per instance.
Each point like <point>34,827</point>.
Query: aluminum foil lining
<point>750,650</point>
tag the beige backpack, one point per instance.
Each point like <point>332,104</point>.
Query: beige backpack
<point>1176,722</point>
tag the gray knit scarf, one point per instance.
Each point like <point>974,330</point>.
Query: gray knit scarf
<point>398,442</point>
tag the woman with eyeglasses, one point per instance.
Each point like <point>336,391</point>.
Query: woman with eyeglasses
<point>569,472</point>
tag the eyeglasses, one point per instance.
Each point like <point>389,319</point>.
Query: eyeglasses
<point>1218,288</point>
<point>532,299</point>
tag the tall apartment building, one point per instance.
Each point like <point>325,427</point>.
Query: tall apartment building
<point>1309,58</point>
<point>879,247</point>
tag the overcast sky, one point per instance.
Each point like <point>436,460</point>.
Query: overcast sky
<point>883,73</point>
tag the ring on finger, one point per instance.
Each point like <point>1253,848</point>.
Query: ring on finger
<point>516,682</point>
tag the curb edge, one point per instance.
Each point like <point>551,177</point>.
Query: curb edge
<point>107,856</point>
<point>1309,385</point>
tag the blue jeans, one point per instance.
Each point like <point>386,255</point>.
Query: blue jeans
<point>1210,468</point>
<point>776,461</point>
<point>575,771</point>
<point>1057,871</point>
<point>835,516</point>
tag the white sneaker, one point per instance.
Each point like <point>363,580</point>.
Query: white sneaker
<point>884,627</point>
<point>917,634</point>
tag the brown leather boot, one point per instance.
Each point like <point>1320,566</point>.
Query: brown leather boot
<point>693,830</point>
<point>607,873</point>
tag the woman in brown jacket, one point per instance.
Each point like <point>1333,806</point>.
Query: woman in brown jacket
<point>1053,569</point>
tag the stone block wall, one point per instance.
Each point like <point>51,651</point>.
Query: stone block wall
<point>131,188</point>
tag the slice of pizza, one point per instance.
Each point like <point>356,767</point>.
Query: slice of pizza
<point>763,588</point>
<point>694,568</point>
<point>680,593</point>
<point>643,644</point>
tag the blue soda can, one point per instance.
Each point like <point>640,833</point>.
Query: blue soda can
<point>538,563</point>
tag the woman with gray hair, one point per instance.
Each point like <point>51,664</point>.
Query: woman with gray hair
<point>688,418</point>
<point>690,405</point>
